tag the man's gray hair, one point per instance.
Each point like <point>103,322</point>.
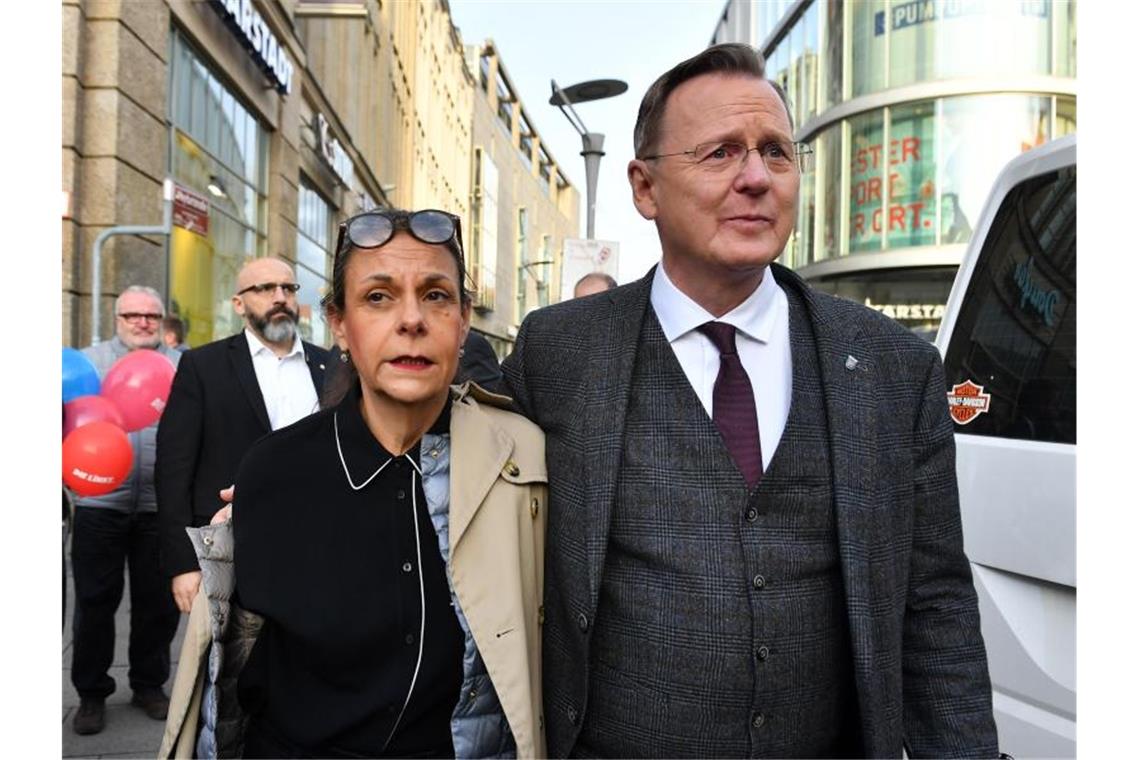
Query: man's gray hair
<point>727,58</point>
<point>142,289</point>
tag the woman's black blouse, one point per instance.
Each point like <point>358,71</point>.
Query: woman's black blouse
<point>336,573</point>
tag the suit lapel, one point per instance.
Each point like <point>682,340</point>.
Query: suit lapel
<point>316,368</point>
<point>486,449</point>
<point>848,378</point>
<point>606,392</point>
<point>242,365</point>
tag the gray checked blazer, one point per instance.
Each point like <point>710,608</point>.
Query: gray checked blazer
<point>917,651</point>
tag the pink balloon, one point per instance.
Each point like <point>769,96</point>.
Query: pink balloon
<point>139,384</point>
<point>96,459</point>
<point>87,409</point>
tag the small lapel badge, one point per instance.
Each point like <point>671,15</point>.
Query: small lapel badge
<point>322,367</point>
<point>851,362</point>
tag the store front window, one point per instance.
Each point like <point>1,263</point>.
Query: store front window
<point>914,297</point>
<point>918,174</point>
<point>314,262</point>
<point>218,150</point>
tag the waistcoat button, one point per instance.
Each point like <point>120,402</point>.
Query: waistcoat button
<point>751,514</point>
<point>583,623</point>
<point>758,720</point>
<point>762,653</point>
<point>572,714</point>
<point>758,581</point>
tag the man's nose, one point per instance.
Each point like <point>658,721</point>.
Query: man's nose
<point>754,175</point>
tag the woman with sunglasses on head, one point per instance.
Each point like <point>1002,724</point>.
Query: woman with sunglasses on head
<point>391,544</point>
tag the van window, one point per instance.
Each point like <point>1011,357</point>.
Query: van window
<point>1016,333</point>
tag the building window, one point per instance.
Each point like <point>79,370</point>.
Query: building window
<point>483,262</point>
<point>523,262</point>
<point>314,262</point>
<point>219,150</point>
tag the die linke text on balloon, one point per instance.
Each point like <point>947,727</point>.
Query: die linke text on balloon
<point>903,214</point>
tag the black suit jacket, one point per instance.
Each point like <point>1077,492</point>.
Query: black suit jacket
<point>214,414</point>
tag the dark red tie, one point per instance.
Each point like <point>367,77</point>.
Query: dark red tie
<point>734,406</point>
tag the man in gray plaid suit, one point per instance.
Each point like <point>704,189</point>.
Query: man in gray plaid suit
<point>754,542</point>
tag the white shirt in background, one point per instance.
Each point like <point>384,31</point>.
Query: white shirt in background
<point>286,384</point>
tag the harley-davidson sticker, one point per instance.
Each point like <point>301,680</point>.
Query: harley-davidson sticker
<point>967,401</point>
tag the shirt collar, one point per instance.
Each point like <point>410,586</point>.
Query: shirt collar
<point>679,314</point>
<point>256,346</point>
<point>362,452</point>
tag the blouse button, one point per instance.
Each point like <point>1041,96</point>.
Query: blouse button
<point>407,567</point>
<point>409,639</point>
<point>400,494</point>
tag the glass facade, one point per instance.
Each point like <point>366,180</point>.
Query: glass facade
<point>218,150</point>
<point>909,172</point>
<point>314,262</point>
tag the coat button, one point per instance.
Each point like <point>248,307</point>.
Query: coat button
<point>533,508</point>
<point>512,469</point>
<point>572,714</point>
<point>751,514</point>
<point>758,720</point>
<point>583,623</point>
<point>762,653</point>
<point>758,581</point>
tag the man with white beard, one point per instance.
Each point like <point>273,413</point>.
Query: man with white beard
<point>225,396</point>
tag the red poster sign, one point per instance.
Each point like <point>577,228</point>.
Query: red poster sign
<point>191,211</point>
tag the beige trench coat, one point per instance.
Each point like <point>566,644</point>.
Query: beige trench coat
<point>497,528</point>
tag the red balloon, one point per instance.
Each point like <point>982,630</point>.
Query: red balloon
<point>139,384</point>
<point>96,458</point>
<point>87,409</point>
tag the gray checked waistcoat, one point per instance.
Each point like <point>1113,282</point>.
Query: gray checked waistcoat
<point>721,629</point>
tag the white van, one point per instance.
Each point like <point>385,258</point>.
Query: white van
<point>1009,342</point>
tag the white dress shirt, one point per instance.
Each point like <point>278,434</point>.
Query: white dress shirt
<point>285,382</point>
<point>762,342</point>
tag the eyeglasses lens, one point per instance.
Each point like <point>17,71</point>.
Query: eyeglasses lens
<point>370,231</point>
<point>431,226</point>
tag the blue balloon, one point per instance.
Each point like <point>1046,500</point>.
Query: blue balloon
<point>79,375</point>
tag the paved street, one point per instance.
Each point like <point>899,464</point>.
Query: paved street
<point>129,732</point>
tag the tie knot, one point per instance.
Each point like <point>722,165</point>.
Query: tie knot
<point>722,334</point>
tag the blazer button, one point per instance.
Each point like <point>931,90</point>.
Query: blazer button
<point>762,653</point>
<point>758,720</point>
<point>583,623</point>
<point>751,514</point>
<point>758,581</point>
<point>572,714</point>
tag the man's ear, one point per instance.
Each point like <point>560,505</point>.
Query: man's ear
<point>641,183</point>
<point>239,305</point>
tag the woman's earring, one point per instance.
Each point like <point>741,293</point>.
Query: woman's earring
<point>344,356</point>
<point>461,352</point>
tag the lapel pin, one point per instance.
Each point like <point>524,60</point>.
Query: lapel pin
<point>322,366</point>
<point>851,362</point>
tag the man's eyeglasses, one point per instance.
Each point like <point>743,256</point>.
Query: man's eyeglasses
<point>373,229</point>
<point>780,157</point>
<point>136,317</point>
<point>262,288</point>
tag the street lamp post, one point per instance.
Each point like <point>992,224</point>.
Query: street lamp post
<point>592,142</point>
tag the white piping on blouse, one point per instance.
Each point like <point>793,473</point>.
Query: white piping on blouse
<point>419,564</point>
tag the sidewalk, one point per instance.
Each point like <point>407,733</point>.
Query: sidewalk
<point>129,732</point>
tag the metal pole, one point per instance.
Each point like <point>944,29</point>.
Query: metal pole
<point>125,229</point>
<point>592,152</point>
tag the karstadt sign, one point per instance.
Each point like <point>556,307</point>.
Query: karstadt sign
<point>247,23</point>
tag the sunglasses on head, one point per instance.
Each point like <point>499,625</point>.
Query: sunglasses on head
<point>373,229</point>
